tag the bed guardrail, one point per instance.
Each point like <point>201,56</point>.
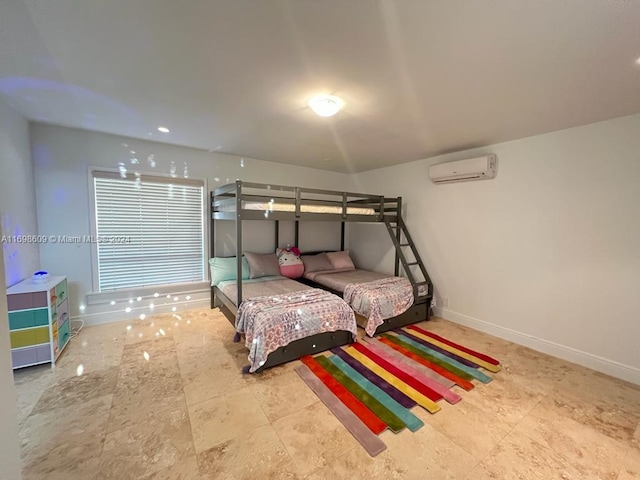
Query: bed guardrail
<point>279,202</point>
<point>261,201</point>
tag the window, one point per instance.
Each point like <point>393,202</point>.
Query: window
<point>149,231</point>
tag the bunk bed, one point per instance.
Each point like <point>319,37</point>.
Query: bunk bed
<point>241,201</point>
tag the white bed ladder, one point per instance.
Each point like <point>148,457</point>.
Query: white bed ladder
<point>413,267</point>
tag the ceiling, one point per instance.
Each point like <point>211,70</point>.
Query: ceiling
<point>418,77</point>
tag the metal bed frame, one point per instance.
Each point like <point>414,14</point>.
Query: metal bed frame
<point>345,208</point>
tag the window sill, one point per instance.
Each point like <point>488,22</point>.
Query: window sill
<point>153,291</point>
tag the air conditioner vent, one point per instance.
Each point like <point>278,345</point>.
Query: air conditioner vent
<point>479,168</point>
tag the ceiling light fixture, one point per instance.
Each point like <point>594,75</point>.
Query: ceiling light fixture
<point>638,61</point>
<point>325,105</point>
<point>163,129</point>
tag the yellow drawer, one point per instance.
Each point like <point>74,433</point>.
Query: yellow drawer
<point>31,336</point>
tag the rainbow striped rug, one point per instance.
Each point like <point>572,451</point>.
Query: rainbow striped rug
<point>372,385</point>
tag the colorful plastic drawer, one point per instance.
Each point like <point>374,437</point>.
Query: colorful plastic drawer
<point>31,336</point>
<point>39,299</point>
<point>30,355</point>
<point>28,318</point>
<point>23,301</point>
<point>41,317</point>
<point>44,353</point>
<point>63,334</point>
<point>23,319</point>
<point>62,312</point>
<point>61,292</point>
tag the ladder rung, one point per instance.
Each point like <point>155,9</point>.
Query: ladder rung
<point>412,263</point>
<point>405,244</point>
<point>422,283</point>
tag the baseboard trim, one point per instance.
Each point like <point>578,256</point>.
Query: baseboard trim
<point>595,362</point>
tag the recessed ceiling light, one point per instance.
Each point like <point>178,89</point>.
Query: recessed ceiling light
<point>638,61</point>
<point>163,129</point>
<point>325,105</point>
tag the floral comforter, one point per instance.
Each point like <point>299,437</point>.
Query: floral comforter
<point>271,322</point>
<point>379,299</point>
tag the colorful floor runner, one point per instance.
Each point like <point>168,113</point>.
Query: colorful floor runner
<point>370,386</point>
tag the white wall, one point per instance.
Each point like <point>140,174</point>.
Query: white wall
<point>17,196</point>
<point>546,254</point>
<point>10,466</point>
<point>62,157</point>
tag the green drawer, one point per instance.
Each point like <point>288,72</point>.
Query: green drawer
<point>32,336</point>
<point>24,319</point>
<point>28,318</point>
<point>61,292</point>
<point>41,317</point>
<point>63,334</point>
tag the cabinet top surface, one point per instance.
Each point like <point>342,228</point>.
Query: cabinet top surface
<point>28,285</point>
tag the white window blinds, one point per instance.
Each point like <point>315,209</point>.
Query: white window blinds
<point>149,232</point>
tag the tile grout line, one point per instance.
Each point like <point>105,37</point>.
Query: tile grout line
<point>276,431</point>
<point>193,443</point>
<point>109,418</point>
<point>511,430</point>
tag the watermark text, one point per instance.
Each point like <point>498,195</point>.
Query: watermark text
<point>23,239</point>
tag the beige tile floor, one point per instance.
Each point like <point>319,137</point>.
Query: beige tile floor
<point>163,398</point>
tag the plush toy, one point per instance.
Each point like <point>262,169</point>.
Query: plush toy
<point>291,265</point>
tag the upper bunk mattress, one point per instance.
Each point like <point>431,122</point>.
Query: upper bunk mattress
<point>261,287</point>
<point>287,207</point>
<point>338,280</point>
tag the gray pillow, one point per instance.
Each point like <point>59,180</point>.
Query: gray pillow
<point>316,263</point>
<point>341,260</point>
<point>262,265</point>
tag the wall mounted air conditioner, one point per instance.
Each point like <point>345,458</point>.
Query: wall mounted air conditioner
<point>478,168</point>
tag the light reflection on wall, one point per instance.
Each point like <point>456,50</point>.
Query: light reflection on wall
<point>28,89</point>
<point>11,251</point>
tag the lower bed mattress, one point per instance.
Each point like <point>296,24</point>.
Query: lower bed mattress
<point>260,287</point>
<point>338,279</point>
<point>375,296</point>
<point>277,311</point>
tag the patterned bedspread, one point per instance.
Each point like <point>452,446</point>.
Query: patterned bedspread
<point>379,299</point>
<point>272,322</point>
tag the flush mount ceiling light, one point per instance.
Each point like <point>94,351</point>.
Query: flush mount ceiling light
<point>325,105</point>
<point>163,129</point>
